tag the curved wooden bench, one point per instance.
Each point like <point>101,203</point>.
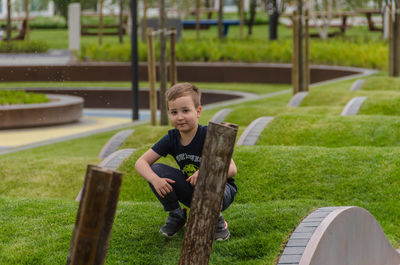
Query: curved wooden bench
<point>253,131</point>
<point>112,162</point>
<point>353,106</point>
<point>339,235</point>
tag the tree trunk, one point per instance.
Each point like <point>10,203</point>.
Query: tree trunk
<point>253,7</point>
<point>163,69</point>
<point>9,22</point>
<point>27,29</point>
<point>220,17</point>
<point>144,21</point>
<point>100,31</point>
<point>241,19</point>
<point>121,21</point>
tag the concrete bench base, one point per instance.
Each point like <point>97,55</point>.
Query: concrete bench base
<point>60,110</point>
<point>339,235</point>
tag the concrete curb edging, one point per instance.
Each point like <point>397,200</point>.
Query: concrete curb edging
<point>220,115</point>
<point>326,234</point>
<point>114,143</point>
<point>357,85</point>
<point>60,110</point>
<point>111,162</point>
<point>296,100</point>
<point>253,131</point>
<point>353,106</point>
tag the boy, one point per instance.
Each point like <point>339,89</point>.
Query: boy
<point>185,144</point>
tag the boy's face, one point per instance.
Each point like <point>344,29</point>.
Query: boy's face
<point>183,114</point>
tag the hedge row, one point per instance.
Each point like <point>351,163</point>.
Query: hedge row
<point>371,54</point>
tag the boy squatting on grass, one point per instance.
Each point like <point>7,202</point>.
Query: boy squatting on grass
<point>185,144</point>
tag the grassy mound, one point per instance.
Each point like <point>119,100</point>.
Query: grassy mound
<point>307,157</point>
<point>332,131</point>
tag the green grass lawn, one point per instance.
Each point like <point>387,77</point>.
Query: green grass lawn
<point>307,157</point>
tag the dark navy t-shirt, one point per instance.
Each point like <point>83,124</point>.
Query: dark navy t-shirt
<point>188,157</point>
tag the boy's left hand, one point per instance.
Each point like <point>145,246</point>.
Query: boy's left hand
<point>193,178</point>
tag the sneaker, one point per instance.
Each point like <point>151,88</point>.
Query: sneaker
<point>222,232</point>
<point>173,224</point>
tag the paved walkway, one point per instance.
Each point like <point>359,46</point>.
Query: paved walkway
<point>53,57</point>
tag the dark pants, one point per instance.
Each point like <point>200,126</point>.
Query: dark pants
<point>183,190</point>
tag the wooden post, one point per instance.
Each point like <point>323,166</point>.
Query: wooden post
<point>300,54</point>
<point>173,72</point>
<point>307,52</point>
<point>151,65</point>
<point>198,19</point>
<point>295,69</point>
<point>95,216</point>
<point>100,31</point>
<point>208,195</point>
<point>144,22</point>
<point>27,29</point>
<point>390,41</point>
<point>121,21</point>
<point>220,17</point>
<point>8,22</point>
<point>241,34</point>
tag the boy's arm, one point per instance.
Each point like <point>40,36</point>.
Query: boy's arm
<point>143,167</point>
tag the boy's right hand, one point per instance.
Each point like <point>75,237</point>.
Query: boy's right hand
<point>162,187</point>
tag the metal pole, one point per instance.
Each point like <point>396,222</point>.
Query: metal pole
<point>134,62</point>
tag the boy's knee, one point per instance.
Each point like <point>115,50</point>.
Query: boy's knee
<point>158,168</point>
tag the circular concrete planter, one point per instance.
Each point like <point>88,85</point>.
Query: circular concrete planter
<point>61,109</point>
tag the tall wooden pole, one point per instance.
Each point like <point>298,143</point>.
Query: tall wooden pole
<point>295,69</point>
<point>121,21</point>
<point>220,17</point>
<point>390,41</point>
<point>307,52</point>
<point>144,21</point>
<point>163,68</point>
<point>198,19</point>
<point>151,64</point>
<point>9,22</point>
<point>100,31</point>
<point>241,19</point>
<point>27,29</point>
<point>396,40</point>
<point>300,55</point>
<point>173,72</point>
<point>95,216</point>
<point>208,195</point>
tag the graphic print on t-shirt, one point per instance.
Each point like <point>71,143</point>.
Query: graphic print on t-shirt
<point>189,169</point>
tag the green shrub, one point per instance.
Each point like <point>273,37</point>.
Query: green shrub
<point>20,97</point>
<point>55,22</point>
<point>331,52</point>
<point>24,46</point>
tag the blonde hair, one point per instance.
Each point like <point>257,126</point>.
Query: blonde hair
<point>184,89</point>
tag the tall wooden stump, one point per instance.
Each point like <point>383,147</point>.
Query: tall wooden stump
<point>300,55</point>
<point>208,195</point>
<point>95,216</point>
<point>151,67</point>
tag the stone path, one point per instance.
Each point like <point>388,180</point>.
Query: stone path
<point>114,143</point>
